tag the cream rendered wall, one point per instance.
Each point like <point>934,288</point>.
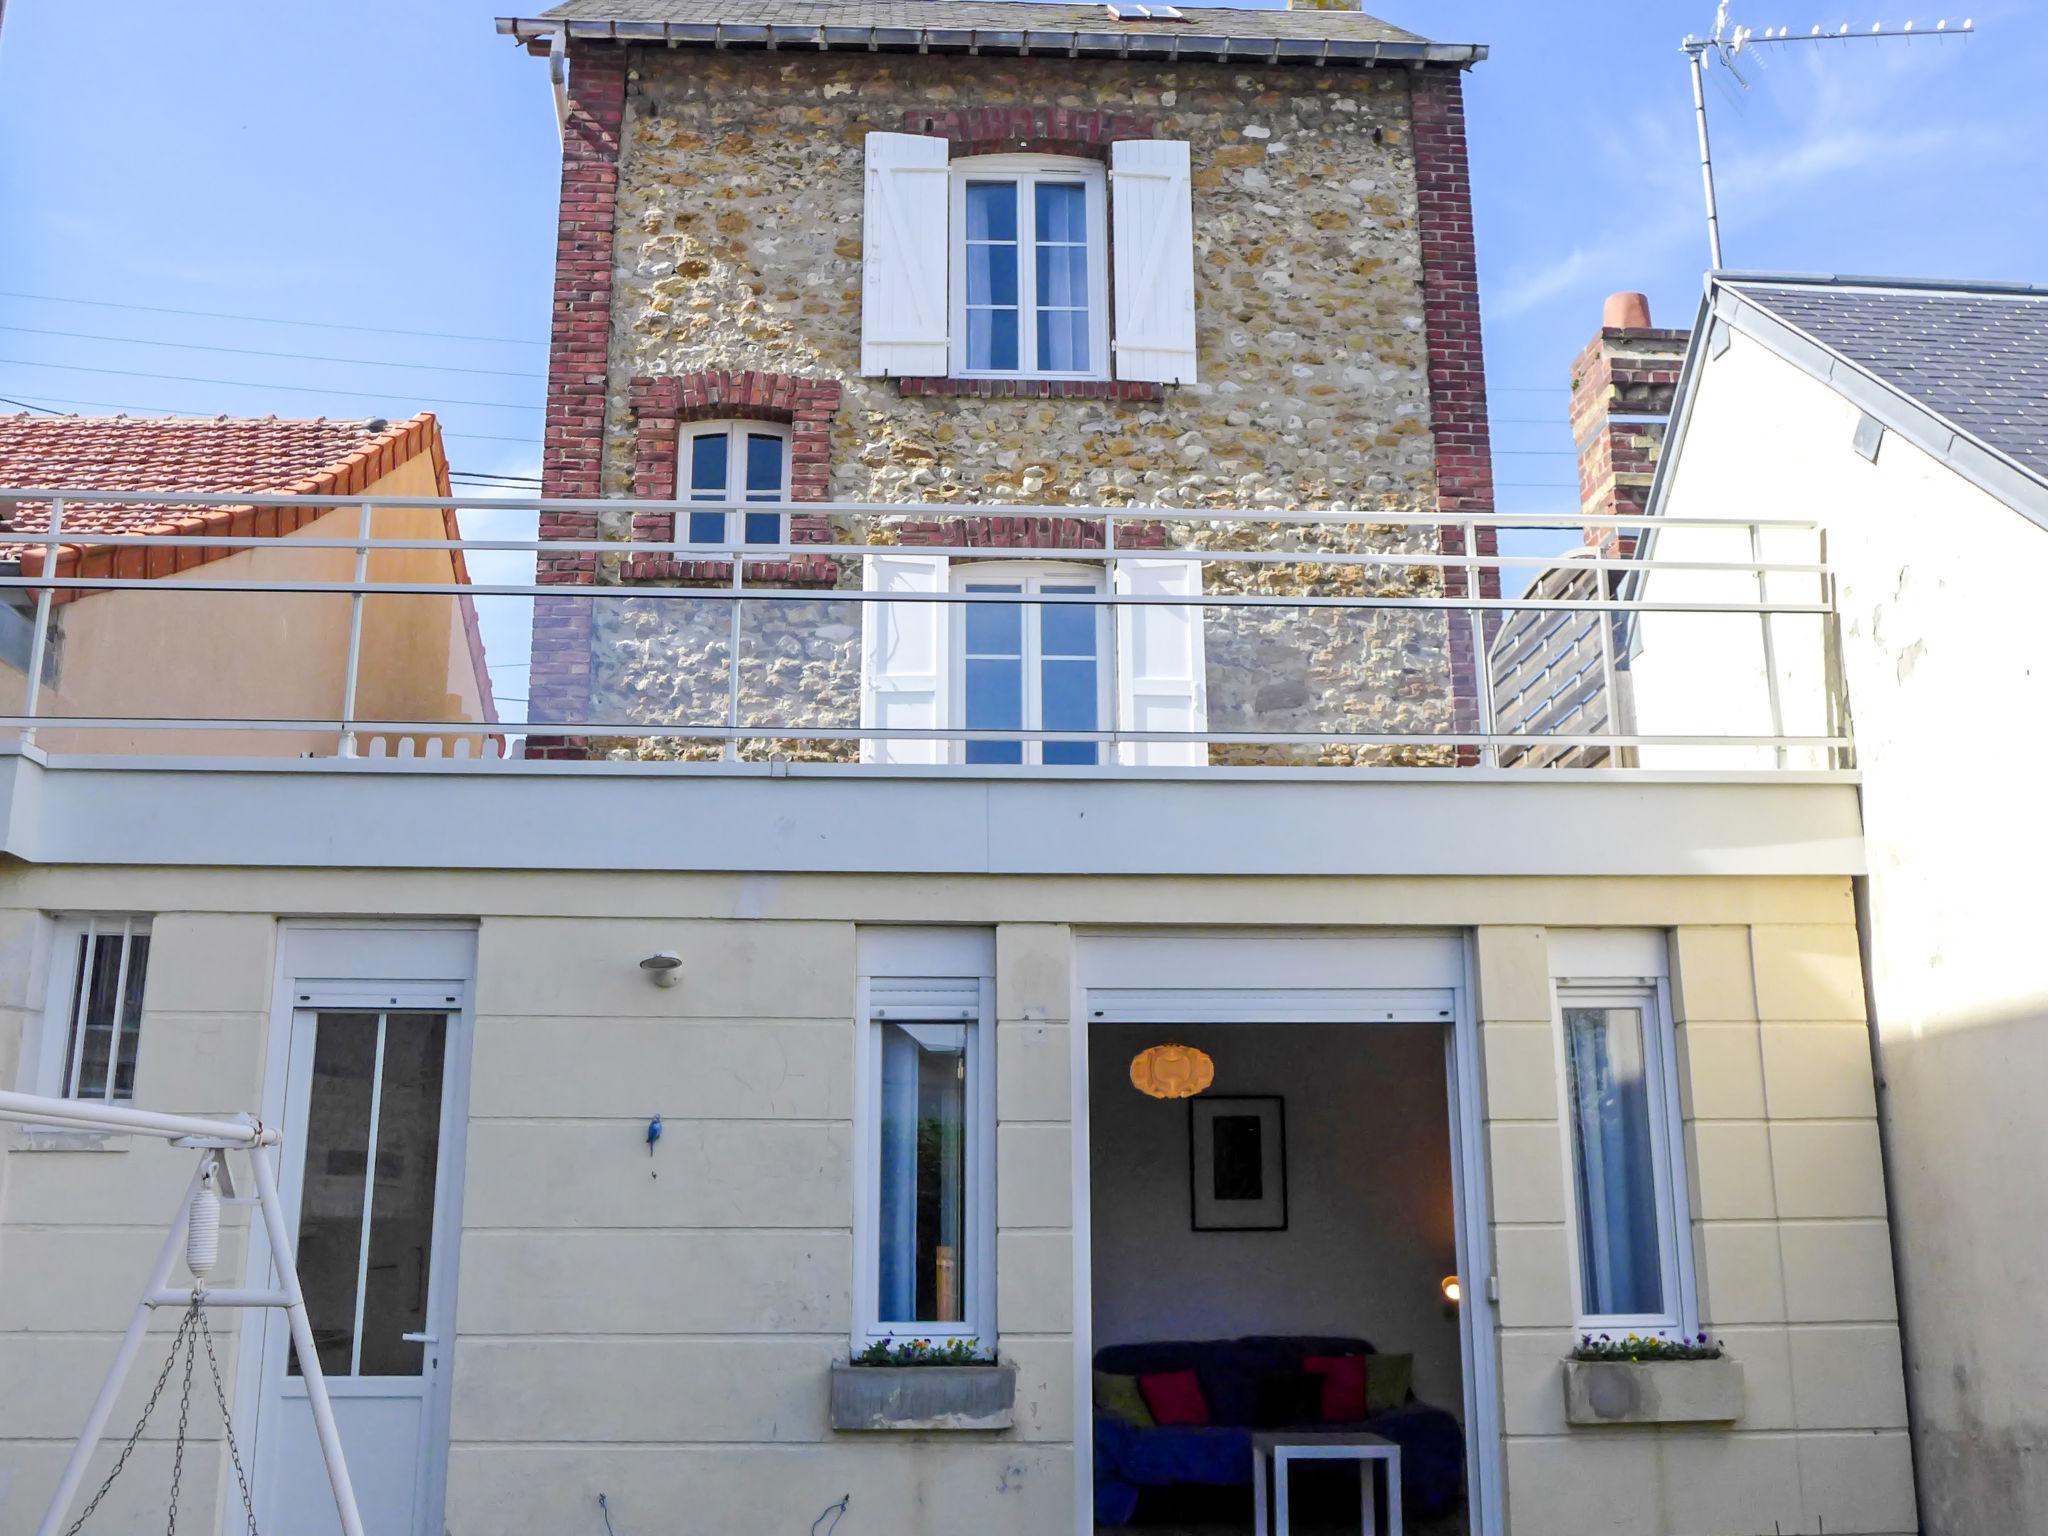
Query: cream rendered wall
<point>657,1328</point>
<point>244,656</point>
<point>1789,1238</point>
<point>1947,678</point>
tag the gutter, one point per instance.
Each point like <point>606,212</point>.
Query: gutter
<point>1163,46</point>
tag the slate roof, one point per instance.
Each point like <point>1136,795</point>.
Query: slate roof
<point>1974,355</point>
<point>992,26</point>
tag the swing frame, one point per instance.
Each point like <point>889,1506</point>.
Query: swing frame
<point>213,1140</point>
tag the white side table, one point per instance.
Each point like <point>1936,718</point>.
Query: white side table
<point>1288,1445</point>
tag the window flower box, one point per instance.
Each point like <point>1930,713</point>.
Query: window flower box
<point>1653,1391</point>
<point>924,1397</point>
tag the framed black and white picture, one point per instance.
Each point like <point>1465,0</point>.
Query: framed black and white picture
<point>1237,1163</point>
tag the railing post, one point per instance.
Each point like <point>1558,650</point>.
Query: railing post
<point>1610,688</point>
<point>736,522</point>
<point>1482,663</point>
<point>39,643</point>
<point>1763,595</point>
<point>1115,754</point>
<point>355,636</point>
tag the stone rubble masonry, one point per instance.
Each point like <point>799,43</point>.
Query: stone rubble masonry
<point>1623,386</point>
<point>1339,352</point>
<point>1027,130</point>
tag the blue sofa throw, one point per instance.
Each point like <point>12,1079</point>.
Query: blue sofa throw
<point>1128,1458</point>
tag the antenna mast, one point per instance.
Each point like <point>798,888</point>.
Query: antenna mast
<point>1725,45</point>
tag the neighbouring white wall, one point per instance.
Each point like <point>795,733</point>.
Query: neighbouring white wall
<point>1947,673</point>
<point>1370,1222</point>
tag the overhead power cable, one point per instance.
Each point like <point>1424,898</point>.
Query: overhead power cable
<point>170,410</point>
<point>297,389</point>
<point>304,357</point>
<point>320,325</point>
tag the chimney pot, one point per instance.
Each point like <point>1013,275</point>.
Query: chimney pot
<point>1626,312</point>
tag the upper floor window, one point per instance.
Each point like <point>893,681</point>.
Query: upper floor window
<point>1627,1158</point>
<point>999,266</point>
<point>93,1019</point>
<point>1032,666</point>
<point>735,461</point>
<point>1030,269</point>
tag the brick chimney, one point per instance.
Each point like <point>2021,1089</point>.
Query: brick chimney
<point>1325,5</point>
<point>1623,385</point>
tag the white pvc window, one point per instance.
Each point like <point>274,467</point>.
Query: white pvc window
<point>1032,666</point>
<point>1625,1151</point>
<point>1030,270</point>
<point>93,1018</point>
<point>926,1222</point>
<point>734,461</point>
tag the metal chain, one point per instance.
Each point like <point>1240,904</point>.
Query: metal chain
<point>227,1427</point>
<point>184,1414</point>
<point>163,1376</point>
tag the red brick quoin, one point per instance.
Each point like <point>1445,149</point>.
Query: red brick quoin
<point>1457,362</point>
<point>1026,130</point>
<point>662,403</point>
<point>577,354</point>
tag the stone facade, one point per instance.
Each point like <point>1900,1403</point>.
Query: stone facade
<point>737,245</point>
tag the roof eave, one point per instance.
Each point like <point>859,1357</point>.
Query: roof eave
<point>1237,49</point>
<point>1991,470</point>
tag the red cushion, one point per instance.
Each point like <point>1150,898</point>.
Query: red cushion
<point>1175,1397</point>
<point>1343,1386</point>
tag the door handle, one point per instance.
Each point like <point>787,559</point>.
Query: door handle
<point>420,1338</point>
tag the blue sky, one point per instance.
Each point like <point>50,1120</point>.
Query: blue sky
<point>397,169</point>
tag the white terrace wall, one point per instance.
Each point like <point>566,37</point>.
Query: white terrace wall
<point>658,1329</point>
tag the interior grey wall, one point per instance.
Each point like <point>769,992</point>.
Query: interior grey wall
<point>1371,1229</point>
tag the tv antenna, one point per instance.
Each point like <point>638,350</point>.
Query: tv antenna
<point>1726,44</point>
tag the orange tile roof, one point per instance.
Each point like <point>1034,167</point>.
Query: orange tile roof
<point>257,456</point>
<point>198,456</point>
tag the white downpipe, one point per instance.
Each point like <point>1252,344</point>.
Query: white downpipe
<point>558,77</point>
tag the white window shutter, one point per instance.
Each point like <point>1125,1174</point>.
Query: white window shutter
<point>1162,681</point>
<point>1152,212</point>
<point>903,653</point>
<point>903,257</point>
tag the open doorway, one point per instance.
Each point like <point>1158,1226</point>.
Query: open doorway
<point>1276,1257</point>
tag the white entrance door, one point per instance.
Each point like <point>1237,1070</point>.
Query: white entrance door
<point>369,1182</point>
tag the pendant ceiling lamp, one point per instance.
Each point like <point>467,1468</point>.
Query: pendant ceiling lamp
<point>1172,1071</point>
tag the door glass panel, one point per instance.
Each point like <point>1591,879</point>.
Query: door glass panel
<point>995,674</point>
<point>402,1210</point>
<point>331,1202</point>
<point>366,1281</point>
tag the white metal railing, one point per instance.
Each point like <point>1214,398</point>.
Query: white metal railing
<point>1255,562</point>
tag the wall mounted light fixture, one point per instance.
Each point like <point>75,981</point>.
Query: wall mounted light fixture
<point>664,969</point>
<point>1453,1289</point>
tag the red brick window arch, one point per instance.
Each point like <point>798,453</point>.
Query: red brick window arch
<point>664,405</point>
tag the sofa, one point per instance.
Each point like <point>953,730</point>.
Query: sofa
<point>1130,1458</point>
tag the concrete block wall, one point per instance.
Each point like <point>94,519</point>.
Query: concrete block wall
<point>82,1217</point>
<point>1789,1236</point>
<point>658,1327</point>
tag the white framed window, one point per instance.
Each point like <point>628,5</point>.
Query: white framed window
<point>1029,268</point>
<point>1625,1157</point>
<point>92,1018</point>
<point>734,461</point>
<point>925,1138</point>
<point>1031,666</point>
